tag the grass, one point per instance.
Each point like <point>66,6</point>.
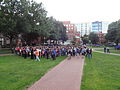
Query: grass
<point>101,73</point>
<point>17,73</point>
<point>111,51</point>
<point>94,47</point>
<point>4,51</point>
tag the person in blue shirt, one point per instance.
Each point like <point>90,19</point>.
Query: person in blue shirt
<point>53,54</point>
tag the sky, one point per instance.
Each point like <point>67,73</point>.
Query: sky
<point>78,11</point>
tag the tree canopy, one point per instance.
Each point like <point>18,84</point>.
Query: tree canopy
<point>113,34</point>
<point>29,19</point>
<point>93,37</point>
<point>85,39</point>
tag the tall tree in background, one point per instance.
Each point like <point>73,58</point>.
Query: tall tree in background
<point>93,37</point>
<point>28,19</point>
<point>85,39</point>
<point>36,19</point>
<point>8,19</point>
<point>21,17</point>
<point>118,32</point>
<point>62,32</point>
<point>113,34</point>
<point>57,31</point>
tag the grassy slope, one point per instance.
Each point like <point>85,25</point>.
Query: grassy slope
<point>17,73</point>
<point>102,73</point>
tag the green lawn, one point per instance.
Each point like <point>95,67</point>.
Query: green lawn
<point>94,47</point>
<point>111,51</point>
<point>17,73</point>
<point>101,73</point>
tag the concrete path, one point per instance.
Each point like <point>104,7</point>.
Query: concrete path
<point>7,54</point>
<point>106,53</point>
<point>65,76</point>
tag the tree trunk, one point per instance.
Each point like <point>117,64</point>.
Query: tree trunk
<point>43,40</point>
<point>56,41</point>
<point>50,41</point>
<point>11,42</point>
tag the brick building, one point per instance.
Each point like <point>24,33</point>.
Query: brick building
<point>71,31</point>
<point>101,37</point>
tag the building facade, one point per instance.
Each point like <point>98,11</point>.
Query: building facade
<point>83,28</point>
<point>78,30</point>
<point>71,31</point>
<point>97,26</point>
<point>101,37</point>
<point>100,26</point>
<point>88,27</point>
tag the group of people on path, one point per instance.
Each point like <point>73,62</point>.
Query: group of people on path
<point>39,52</point>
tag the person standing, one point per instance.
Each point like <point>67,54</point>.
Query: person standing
<point>37,55</point>
<point>24,53</point>
<point>69,53</point>
<point>53,54</point>
<point>47,53</point>
<point>104,49</point>
<point>89,53</point>
<point>108,50</point>
<point>32,53</point>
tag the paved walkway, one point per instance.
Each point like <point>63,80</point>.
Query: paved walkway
<point>7,54</point>
<point>65,76</point>
<point>106,53</point>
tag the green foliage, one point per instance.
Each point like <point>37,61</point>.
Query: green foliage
<point>28,37</point>
<point>113,34</point>
<point>57,30</point>
<point>93,37</point>
<point>17,73</point>
<point>24,17</point>
<point>85,39</point>
<point>101,73</point>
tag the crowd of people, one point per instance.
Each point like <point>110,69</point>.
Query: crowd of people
<point>40,52</point>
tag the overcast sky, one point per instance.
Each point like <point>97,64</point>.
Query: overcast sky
<point>83,10</point>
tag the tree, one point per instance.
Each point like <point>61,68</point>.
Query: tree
<point>93,37</point>
<point>37,21</point>
<point>28,19</point>
<point>21,17</point>
<point>62,32</point>
<point>73,41</point>
<point>30,37</point>
<point>85,39</point>
<point>113,34</point>
<point>57,31</point>
<point>8,19</point>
